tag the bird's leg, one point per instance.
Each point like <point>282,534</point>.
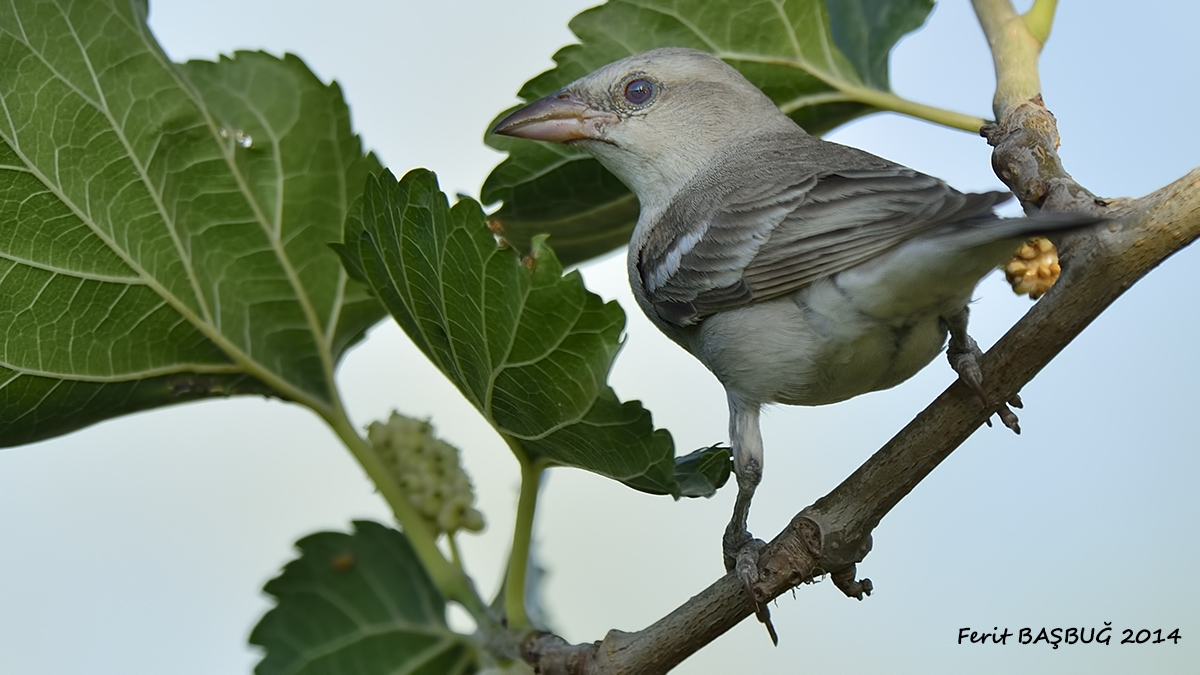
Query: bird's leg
<point>964,354</point>
<point>746,441</point>
<point>740,548</point>
<point>737,537</point>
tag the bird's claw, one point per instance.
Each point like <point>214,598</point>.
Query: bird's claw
<point>846,582</point>
<point>746,569</point>
<point>740,550</point>
<point>964,355</point>
<point>1008,417</point>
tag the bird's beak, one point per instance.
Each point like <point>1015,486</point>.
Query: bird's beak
<point>557,118</point>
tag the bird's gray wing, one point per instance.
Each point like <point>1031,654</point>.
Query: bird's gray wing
<point>723,247</point>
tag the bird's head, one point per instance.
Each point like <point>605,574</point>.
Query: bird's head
<point>654,119</point>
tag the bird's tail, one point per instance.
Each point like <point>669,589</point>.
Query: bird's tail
<point>1006,232</point>
<point>942,268</point>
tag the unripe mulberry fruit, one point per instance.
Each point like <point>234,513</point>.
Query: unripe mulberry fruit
<point>428,471</point>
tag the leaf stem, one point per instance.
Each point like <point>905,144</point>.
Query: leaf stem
<point>884,100</point>
<point>518,562</point>
<point>888,101</point>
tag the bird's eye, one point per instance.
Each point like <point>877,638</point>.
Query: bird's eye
<point>639,91</point>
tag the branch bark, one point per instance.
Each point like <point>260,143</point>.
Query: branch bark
<point>834,533</point>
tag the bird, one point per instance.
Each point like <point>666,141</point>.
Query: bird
<point>799,271</point>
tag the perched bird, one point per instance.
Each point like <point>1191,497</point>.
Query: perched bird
<point>797,270</point>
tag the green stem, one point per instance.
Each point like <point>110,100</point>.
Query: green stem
<point>518,561</point>
<point>1040,18</point>
<point>455,556</point>
<point>884,100</point>
<point>889,101</point>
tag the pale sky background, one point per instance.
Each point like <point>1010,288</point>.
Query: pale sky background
<point>139,546</point>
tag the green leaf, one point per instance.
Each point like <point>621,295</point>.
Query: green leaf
<point>164,228</point>
<point>529,347</point>
<point>703,472</point>
<point>821,77</point>
<point>866,30</point>
<point>359,603</point>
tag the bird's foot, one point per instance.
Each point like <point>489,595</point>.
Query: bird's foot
<point>964,355</point>
<point>740,550</point>
<point>846,582</point>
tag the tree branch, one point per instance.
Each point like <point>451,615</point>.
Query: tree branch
<point>1015,51</point>
<point>834,533</point>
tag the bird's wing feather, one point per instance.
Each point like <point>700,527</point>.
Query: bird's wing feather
<point>742,238</point>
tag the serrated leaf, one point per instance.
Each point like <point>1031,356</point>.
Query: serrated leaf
<point>786,47</point>
<point>528,347</point>
<point>359,603</point>
<point>163,227</point>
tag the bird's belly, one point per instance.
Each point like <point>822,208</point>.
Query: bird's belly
<point>814,348</point>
